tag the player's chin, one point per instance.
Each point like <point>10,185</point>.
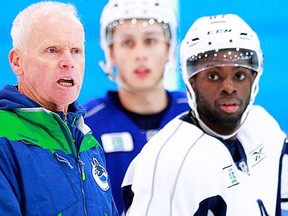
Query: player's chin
<point>68,98</point>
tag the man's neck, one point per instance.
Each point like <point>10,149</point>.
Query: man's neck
<point>145,102</point>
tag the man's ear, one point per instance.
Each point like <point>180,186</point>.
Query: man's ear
<point>111,54</point>
<point>168,53</point>
<point>192,82</point>
<point>15,59</point>
<point>255,75</point>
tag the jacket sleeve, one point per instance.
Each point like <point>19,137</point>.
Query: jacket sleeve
<point>9,204</point>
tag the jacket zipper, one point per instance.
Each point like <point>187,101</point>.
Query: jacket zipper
<point>82,173</point>
<point>80,163</point>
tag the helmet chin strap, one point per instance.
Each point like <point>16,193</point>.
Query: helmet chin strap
<point>108,71</point>
<point>214,133</point>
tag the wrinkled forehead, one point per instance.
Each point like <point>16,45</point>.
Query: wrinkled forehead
<point>61,29</point>
<point>220,58</point>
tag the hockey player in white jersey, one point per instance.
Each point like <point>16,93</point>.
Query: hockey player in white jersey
<point>223,156</point>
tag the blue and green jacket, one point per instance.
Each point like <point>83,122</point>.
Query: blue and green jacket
<point>50,164</point>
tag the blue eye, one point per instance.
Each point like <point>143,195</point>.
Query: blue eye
<point>76,51</point>
<point>51,50</point>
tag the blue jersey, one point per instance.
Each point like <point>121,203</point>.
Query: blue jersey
<point>121,137</point>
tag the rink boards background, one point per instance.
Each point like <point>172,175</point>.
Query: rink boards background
<point>268,18</point>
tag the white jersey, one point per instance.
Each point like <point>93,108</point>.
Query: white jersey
<point>184,171</point>
<point>284,182</point>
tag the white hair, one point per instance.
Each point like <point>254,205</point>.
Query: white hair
<point>23,23</point>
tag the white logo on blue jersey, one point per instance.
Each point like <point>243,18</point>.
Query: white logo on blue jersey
<point>117,142</point>
<point>100,175</point>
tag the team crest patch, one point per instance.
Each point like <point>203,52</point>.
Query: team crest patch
<point>230,176</point>
<point>100,175</point>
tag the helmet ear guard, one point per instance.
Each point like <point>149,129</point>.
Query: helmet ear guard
<point>226,40</point>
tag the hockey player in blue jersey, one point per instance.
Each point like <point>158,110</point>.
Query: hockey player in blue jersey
<point>139,39</point>
<point>223,157</point>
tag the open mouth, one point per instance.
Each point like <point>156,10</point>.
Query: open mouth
<point>142,72</point>
<point>66,82</point>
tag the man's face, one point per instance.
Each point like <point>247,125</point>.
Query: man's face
<point>222,95</point>
<point>52,68</point>
<point>140,53</point>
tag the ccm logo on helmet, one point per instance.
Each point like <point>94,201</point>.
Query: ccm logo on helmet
<point>219,31</point>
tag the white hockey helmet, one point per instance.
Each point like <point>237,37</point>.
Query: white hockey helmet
<point>207,39</point>
<point>116,11</point>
